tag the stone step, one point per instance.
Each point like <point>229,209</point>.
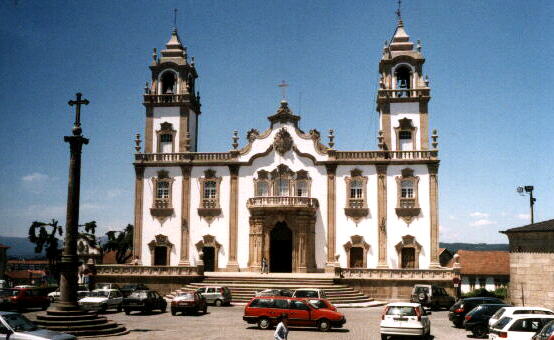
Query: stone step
<point>85,322</point>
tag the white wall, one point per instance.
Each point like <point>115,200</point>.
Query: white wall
<point>151,226</point>
<point>405,110</point>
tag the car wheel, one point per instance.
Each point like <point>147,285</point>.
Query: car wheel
<point>264,323</point>
<point>147,310</point>
<point>163,309</point>
<point>173,312</point>
<point>384,337</point>
<point>323,325</point>
<point>205,309</point>
<point>103,308</point>
<point>218,303</point>
<point>127,312</point>
<point>458,324</point>
<point>119,308</point>
<point>480,332</point>
<point>44,307</point>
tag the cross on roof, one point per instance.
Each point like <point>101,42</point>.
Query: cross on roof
<point>283,85</point>
<point>175,18</point>
<point>398,14</point>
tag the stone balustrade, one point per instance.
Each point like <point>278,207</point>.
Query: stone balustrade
<point>282,202</point>
<point>132,270</point>
<point>166,98</point>
<point>403,93</point>
<point>182,156</point>
<point>396,274</point>
<point>385,155</point>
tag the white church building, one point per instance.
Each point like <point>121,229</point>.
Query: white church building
<point>286,196</point>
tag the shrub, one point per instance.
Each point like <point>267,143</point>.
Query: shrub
<point>500,293</point>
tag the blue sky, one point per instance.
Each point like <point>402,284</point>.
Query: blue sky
<point>488,62</point>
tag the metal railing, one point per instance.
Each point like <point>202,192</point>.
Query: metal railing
<point>282,201</point>
<point>403,93</point>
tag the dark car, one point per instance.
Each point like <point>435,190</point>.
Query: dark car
<point>431,296</point>
<point>23,298</point>
<point>274,292</point>
<point>191,301</point>
<point>459,310</point>
<point>145,301</point>
<point>477,320</point>
<point>128,289</point>
<point>546,333</point>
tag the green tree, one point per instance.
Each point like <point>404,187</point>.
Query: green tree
<point>87,237</point>
<point>121,242</point>
<point>43,235</point>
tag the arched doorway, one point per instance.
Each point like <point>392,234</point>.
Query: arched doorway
<point>357,257</point>
<point>209,259</point>
<point>280,249</point>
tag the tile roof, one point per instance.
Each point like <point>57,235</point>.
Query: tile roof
<point>540,226</point>
<point>474,262</point>
<point>3,246</point>
<point>26,274</point>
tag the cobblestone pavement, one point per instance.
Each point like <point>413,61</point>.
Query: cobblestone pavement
<point>226,323</point>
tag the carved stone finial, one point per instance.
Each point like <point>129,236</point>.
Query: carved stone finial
<point>235,139</point>
<point>155,56</point>
<point>381,82</point>
<point>146,88</point>
<point>435,137</point>
<point>426,81</point>
<point>331,138</point>
<point>252,134</point>
<point>381,140</point>
<point>283,141</point>
<point>137,142</point>
<point>192,60</point>
<point>419,45</point>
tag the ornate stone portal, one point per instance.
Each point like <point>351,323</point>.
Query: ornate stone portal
<point>300,221</point>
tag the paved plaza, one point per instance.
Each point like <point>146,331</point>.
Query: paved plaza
<point>226,323</point>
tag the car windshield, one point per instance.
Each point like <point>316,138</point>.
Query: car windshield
<point>502,322</point>
<point>103,285</point>
<point>317,304</point>
<point>6,292</point>
<point>401,310</point>
<point>420,289</point>
<point>306,293</point>
<point>19,323</point>
<point>138,295</point>
<point>99,293</point>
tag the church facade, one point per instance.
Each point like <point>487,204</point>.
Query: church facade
<point>285,195</point>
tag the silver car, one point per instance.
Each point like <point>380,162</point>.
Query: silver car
<point>217,295</point>
<point>18,327</point>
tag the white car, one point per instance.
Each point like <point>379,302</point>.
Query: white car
<point>102,300</point>
<point>17,327</point>
<point>55,295</point>
<point>309,293</point>
<point>509,311</point>
<point>519,327</point>
<point>405,319</point>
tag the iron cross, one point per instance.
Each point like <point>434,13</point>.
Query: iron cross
<point>78,102</point>
<point>398,10</point>
<point>283,85</point>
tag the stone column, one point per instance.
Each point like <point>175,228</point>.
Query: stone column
<point>185,215</point>
<point>149,130</point>
<point>233,265</point>
<point>301,236</point>
<point>184,145</point>
<point>255,243</point>
<point>382,214</point>
<point>434,216</point>
<point>331,217</point>
<point>139,197</point>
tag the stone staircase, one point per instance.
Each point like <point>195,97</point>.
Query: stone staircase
<point>244,288</point>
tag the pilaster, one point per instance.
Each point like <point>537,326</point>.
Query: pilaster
<point>184,128</point>
<point>382,214</point>
<point>423,125</point>
<point>149,130</point>
<point>185,215</point>
<point>233,265</point>
<point>255,243</point>
<point>386,122</point>
<point>139,196</point>
<point>434,216</point>
<point>331,216</point>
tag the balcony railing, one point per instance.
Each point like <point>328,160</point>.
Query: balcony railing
<point>132,270</point>
<point>407,203</point>
<point>403,93</point>
<point>166,98</point>
<point>446,274</point>
<point>356,203</point>
<point>386,155</point>
<point>183,156</point>
<point>210,203</point>
<point>290,202</point>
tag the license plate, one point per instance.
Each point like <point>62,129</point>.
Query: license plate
<point>400,319</point>
<point>185,303</point>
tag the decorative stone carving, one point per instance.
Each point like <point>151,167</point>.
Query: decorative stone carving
<point>252,134</point>
<point>316,136</point>
<point>283,141</point>
<point>408,241</point>
<point>407,208</point>
<point>160,241</point>
<point>359,242</point>
<point>209,206</point>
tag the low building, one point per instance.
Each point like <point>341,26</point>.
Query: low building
<point>532,264</point>
<point>483,269</point>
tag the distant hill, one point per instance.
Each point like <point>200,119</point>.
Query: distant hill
<point>454,247</point>
<point>20,247</point>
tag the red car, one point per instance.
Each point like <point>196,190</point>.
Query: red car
<point>265,311</point>
<point>322,303</point>
<point>23,298</point>
<point>189,302</point>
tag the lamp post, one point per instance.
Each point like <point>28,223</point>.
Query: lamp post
<point>529,190</point>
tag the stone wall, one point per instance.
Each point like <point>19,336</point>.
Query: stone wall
<point>392,290</point>
<point>532,279</point>
<point>161,284</point>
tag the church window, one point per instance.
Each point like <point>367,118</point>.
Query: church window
<point>405,136</point>
<point>209,188</point>
<point>301,188</point>
<point>407,195</point>
<point>262,188</point>
<point>169,83</point>
<point>282,186</point>
<point>356,195</point>
<point>161,205</point>
<point>166,138</point>
<point>163,190</point>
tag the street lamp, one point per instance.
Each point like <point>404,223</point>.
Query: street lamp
<point>529,190</point>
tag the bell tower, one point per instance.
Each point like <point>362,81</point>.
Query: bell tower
<point>403,94</point>
<point>172,105</point>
